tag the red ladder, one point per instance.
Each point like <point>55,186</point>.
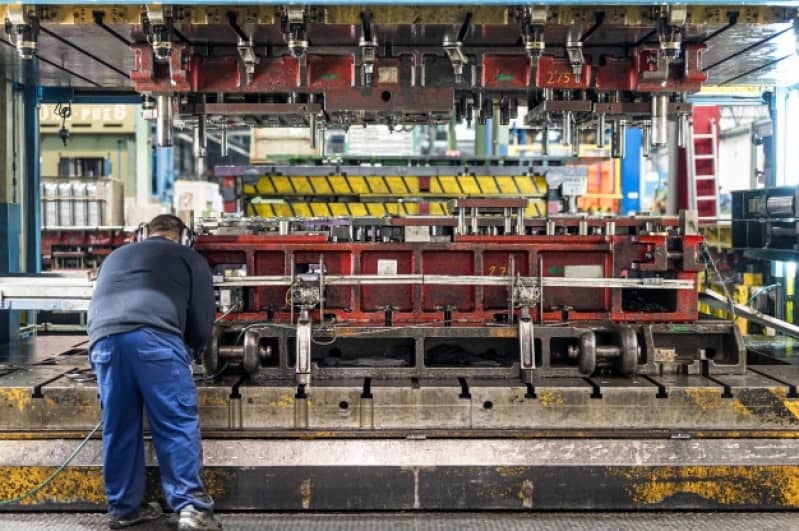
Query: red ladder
<point>702,155</point>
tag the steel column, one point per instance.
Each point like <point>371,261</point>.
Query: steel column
<point>9,263</point>
<point>32,224</point>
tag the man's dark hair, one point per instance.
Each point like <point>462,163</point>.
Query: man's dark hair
<point>166,223</point>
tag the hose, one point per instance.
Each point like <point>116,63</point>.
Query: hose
<point>55,474</point>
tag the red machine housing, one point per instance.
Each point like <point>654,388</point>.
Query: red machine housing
<point>616,256</point>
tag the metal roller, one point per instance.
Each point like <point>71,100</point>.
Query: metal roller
<point>660,120</point>
<point>627,363</point>
<point>210,355</point>
<point>780,205</point>
<point>163,123</point>
<point>588,353</point>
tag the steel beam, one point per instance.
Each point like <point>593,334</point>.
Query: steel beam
<point>444,474</point>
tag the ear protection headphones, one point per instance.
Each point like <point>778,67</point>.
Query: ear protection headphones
<point>187,236</point>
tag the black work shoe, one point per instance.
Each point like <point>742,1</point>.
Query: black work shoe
<point>145,513</point>
<point>194,519</point>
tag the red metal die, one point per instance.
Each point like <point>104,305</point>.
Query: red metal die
<point>616,73</point>
<point>656,75</point>
<point>506,72</point>
<point>556,73</point>
<point>403,99</point>
<point>388,71</point>
<point>149,76</point>
<point>214,74</point>
<point>223,74</point>
<point>654,252</point>
<point>475,305</point>
<point>331,72</point>
<point>693,64</point>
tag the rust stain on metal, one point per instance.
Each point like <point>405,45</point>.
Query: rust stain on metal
<point>283,400</point>
<point>526,494</point>
<point>216,482</point>
<point>16,397</point>
<point>741,409</point>
<point>511,471</point>
<point>211,399</point>
<point>707,399</point>
<point>72,485</point>
<point>724,485</point>
<point>551,398</point>
<point>503,332</point>
<point>306,489</point>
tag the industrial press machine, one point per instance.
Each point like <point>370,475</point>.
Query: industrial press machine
<point>460,350</point>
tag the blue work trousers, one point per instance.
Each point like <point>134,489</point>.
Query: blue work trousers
<point>151,369</point>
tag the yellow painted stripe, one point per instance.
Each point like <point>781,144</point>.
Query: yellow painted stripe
<point>265,186</point>
<point>469,185</point>
<point>339,209</point>
<point>358,184</point>
<point>376,209</point>
<point>449,185</point>
<point>438,209</point>
<point>320,185</point>
<point>282,185</point>
<point>540,183</point>
<point>488,185</point>
<point>525,185</point>
<point>302,210</point>
<point>358,210</point>
<point>396,185</point>
<point>340,184</point>
<point>302,185</point>
<point>507,185</point>
<point>320,210</point>
<point>377,185</point>
<point>412,184</point>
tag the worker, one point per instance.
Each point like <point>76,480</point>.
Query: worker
<point>153,304</point>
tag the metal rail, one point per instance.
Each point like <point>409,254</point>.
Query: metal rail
<point>73,294</point>
<point>717,300</point>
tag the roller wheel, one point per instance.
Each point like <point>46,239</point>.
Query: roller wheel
<point>628,343</point>
<point>250,361</point>
<point>587,360</point>
<point>211,355</point>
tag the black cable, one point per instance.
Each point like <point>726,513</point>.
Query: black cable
<point>231,17</point>
<point>599,18</point>
<point>732,18</point>
<point>748,48</point>
<point>51,63</point>
<point>757,69</point>
<point>182,37</point>
<point>84,52</point>
<point>98,19</point>
<point>366,24</point>
<point>465,27</point>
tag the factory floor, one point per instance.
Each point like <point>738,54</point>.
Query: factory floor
<point>637,521</point>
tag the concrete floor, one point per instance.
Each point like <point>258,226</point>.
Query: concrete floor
<point>638,521</point>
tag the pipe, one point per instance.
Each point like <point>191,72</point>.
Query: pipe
<point>660,119</point>
<point>223,143</point>
<point>619,145</point>
<point>568,119</point>
<point>600,130</point>
<point>199,144</point>
<point>163,123</point>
